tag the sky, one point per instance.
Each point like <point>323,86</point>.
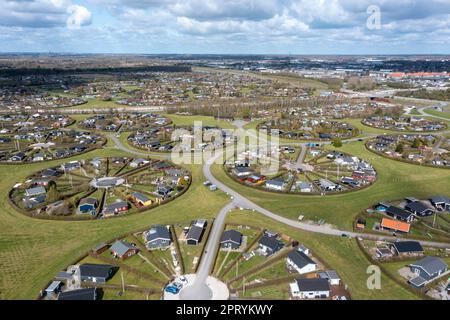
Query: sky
<point>226,26</point>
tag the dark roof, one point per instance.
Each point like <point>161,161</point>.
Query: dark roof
<point>121,247</point>
<point>80,294</point>
<point>231,235</point>
<point>116,205</point>
<point>394,211</point>
<point>316,284</point>
<point>416,206</point>
<point>407,246</point>
<point>300,259</point>
<point>418,281</point>
<point>95,270</point>
<point>158,232</point>
<point>430,265</point>
<point>91,201</point>
<point>270,242</point>
<point>440,199</point>
<point>195,233</point>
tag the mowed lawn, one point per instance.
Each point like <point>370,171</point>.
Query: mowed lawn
<point>341,254</point>
<point>205,121</point>
<point>445,115</point>
<point>396,180</point>
<point>32,251</point>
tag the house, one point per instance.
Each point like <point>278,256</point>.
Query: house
<point>115,208</point>
<point>164,191</point>
<point>327,185</point>
<point>419,209</point>
<point>256,179</point>
<point>19,156</point>
<point>231,239</point>
<point>102,247</point>
<point>300,262</point>
<point>350,181</point>
<point>269,245</point>
<point>315,288</point>
<point>138,163</point>
<point>53,288</point>
<point>98,273</point>
<point>40,182</point>
<point>35,201</point>
<point>400,214</point>
<point>195,233</point>
<point>123,249</point>
<point>162,165</point>
<point>71,166</point>
<point>441,203</point>
<point>242,171</point>
<point>141,199</point>
<point>79,294</point>
<point>275,184</point>
<point>394,225</point>
<point>332,277</point>
<point>305,187</point>
<point>427,269</point>
<point>39,156</point>
<point>88,205</point>
<point>384,252</point>
<point>407,248</point>
<point>36,191</point>
<point>50,173</point>
<point>158,237</point>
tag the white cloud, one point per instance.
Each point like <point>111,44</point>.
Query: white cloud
<point>79,16</point>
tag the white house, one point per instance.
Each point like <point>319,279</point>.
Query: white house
<point>300,262</point>
<point>315,288</point>
<point>275,185</point>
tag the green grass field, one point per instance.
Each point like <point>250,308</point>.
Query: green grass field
<point>432,112</point>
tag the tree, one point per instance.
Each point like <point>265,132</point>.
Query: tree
<point>416,143</point>
<point>399,148</point>
<point>337,143</point>
<point>52,193</point>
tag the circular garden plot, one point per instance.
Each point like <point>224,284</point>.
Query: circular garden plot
<point>309,171</point>
<point>426,149</point>
<point>181,138</point>
<point>99,188</point>
<point>23,124</point>
<point>310,129</point>
<point>415,124</point>
<point>47,145</point>
<point>124,122</point>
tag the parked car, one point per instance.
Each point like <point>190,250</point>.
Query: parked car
<point>172,289</point>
